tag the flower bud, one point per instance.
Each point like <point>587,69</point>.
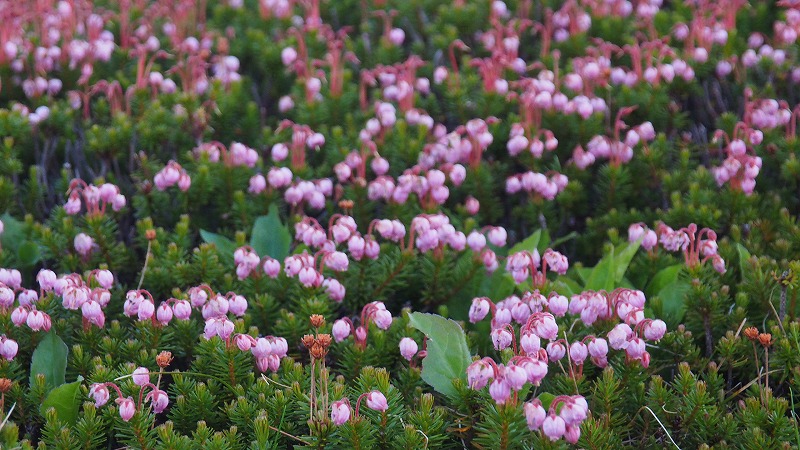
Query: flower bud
<point>159,400</point>
<point>99,392</point>
<point>655,330</point>
<point>497,236</point>
<point>164,313</point>
<point>478,374</point>
<point>500,391</point>
<point>141,376</point>
<point>383,319</point>
<point>530,343</point>
<point>534,414</point>
<point>83,244</point>
<point>553,426</point>
<point>408,348</point>
<point>377,401</point>
<point>340,411</point>
<point>341,330</point>
<point>556,350</point>
<point>127,408</point>
<point>578,352</point>
<point>479,309</point>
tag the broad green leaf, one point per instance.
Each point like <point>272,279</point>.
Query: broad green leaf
<point>66,401</point>
<point>529,244</point>
<point>547,399</point>
<point>270,237</point>
<point>28,253</point>
<point>564,239</point>
<point>497,285</point>
<point>567,286</point>
<point>602,276</point>
<point>583,273</point>
<point>671,301</point>
<point>744,256</point>
<point>225,246</point>
<point>12,232</point>
<point>663,278</point>
<point>610,270</point>
<point>544,241</point>
<point>625,283</point>
<point>448,355</point>
<point>622,259</point>
<point>50,360</point>
<point>665,294</point>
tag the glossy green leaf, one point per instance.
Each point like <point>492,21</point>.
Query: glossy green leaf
<point>13,233</point>
<point>667,291</point>
<point>498,285</point>
<point>448,355</point>
<point>663,278</point>
<point>609,272</point>
<point>270,237</point>
<point>564,239</point>
<point>544,241</point>
<point>50,360</point>
<point>671,299</point>
<point>583,273</point>
<point>602,276</point>
<point>744,256</point>
<point>547,399</point>
<point>623,258</point>
<point>225,246</point>
<point>625,283</point>
<point>529,244</point>
<point>28,253</point>
<point>66,401</point>
<point>567,286</point>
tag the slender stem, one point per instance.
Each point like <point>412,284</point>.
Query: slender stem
<point>324,375</point>
<point>782,310</point>
<point>389,279</point>
<point>766,377</point>
<point>290,435</point>
<point>662,426</point>
<point>11,410</point>
<point>144,268</point>
<point>569,360</point>
<point>311,396</point>
<point>709,336</point>
<point>758,363</point>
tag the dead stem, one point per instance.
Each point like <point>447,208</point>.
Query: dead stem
<point>313,387</point>
<point>146,260</point>
<point>290,435</point>
<point>758,379</point>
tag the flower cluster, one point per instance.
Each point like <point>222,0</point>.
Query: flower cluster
<point>562,419</point>
<point>303,137</point>
<point>638,231</point>
<point>389,158</point>
<point>622,337</point>
<point>268,351</point>
<point>693,243</point>
<point>171,175</point>
<point>157,398</point>
<point>90,297</point>
<point>523,265</point>
<point>537,318</point>
<point>537,184</point>
<point>341,410</point>
<point>740,168</point>
<point>374,312</point>
<point>617,150</point>
<point>93,197</point>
